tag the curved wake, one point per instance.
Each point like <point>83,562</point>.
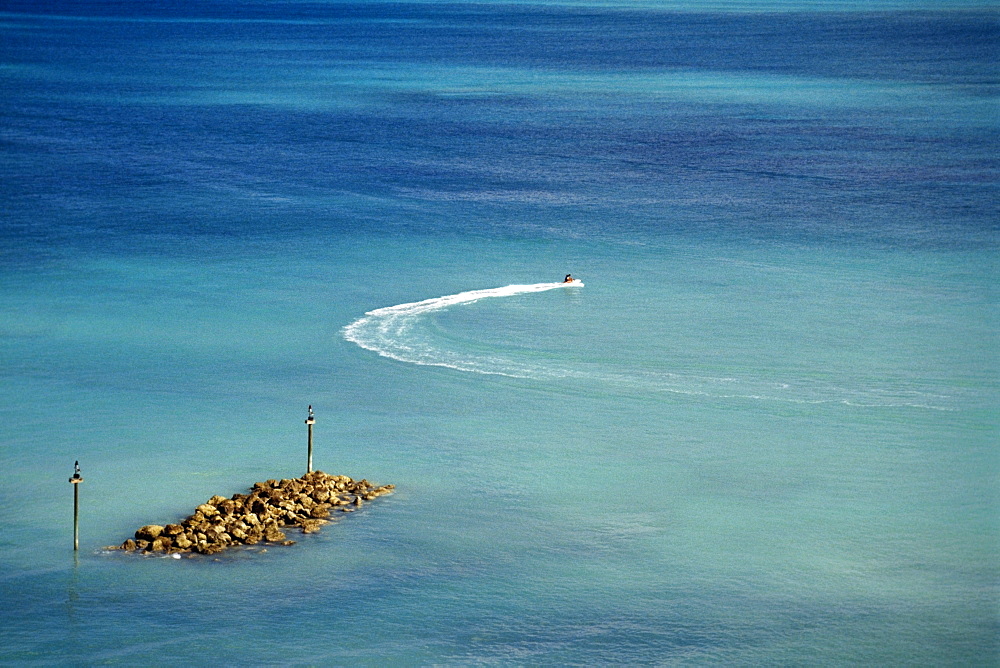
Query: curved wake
<point>389,332</point>
<point>394,332</point>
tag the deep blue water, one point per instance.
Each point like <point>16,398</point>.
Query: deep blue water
<point>763,432</point>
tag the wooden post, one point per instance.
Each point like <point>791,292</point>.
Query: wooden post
<point>310,421</point>
<point>76,480</point>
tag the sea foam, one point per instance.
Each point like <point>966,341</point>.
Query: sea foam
<point>390,332</point>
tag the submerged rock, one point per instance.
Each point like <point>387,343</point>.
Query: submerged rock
<point>261,515</point>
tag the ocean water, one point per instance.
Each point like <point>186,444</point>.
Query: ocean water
<point>762,432</point>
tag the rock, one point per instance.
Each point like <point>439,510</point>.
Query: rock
<point>214,534</point>
<point>161,544</point>
<point>193,520</point>
<point>320,511</point>
<point>273,534</point>
<point>209,548</point>
<point>149,532</point>
<point>311,526</point>
<point>207,509</point>
<point>258,516</point>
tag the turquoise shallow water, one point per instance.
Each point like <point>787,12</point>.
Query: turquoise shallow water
<point>763,431</point>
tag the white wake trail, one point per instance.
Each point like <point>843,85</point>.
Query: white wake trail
<point>397,332</point>
<point>389,331</point>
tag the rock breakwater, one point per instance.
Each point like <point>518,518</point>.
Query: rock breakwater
<point>260,516</point>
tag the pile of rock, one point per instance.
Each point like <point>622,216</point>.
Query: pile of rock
<point>260,516</point>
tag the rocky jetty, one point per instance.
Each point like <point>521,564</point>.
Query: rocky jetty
<point>258,517</point>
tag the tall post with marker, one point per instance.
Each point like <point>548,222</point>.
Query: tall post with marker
<point>76,480</point>
<point>310,421</point>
